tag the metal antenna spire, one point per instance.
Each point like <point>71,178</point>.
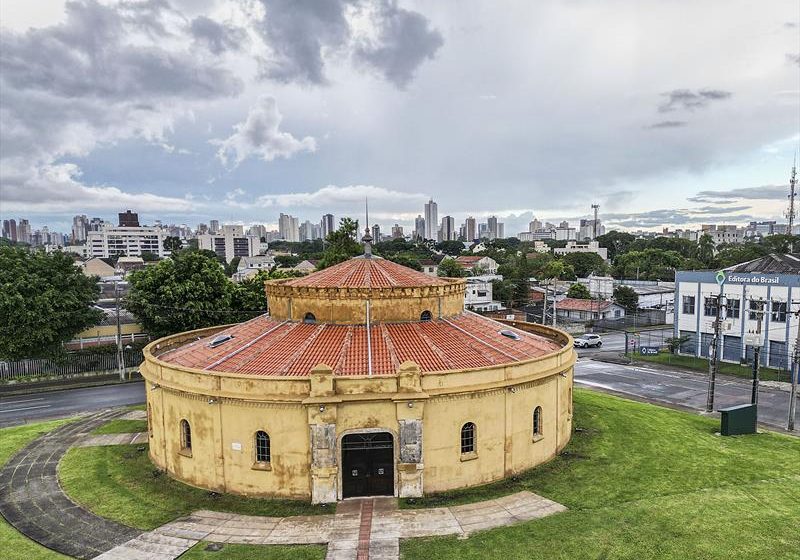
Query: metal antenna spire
<point>792,194</point>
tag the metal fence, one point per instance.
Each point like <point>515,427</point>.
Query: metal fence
<point>642,318</point>
<point>68,365</point>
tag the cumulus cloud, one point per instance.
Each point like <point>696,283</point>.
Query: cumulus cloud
<point>691,100</point>
<point>404,40</point>
<point>303,36</point>
<point>349,197</point>
<point>57,189</point>
<point>764,192</point>
<point>260,135</point>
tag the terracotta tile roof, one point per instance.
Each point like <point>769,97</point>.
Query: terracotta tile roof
<point>264,346</point>
<point>361,272</point>
<point>574,304</point>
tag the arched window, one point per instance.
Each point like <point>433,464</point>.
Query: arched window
<point>537,421</point>
<point>468,438</point>
<point>425,316</point>
<point>309,318</point>
<point>262,447</point>
<point>186,436</point>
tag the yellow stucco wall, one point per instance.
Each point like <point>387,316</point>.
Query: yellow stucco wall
<point>225,411</point>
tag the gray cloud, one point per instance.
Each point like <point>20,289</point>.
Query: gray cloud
<point>103,74</point>
<point>668,124</point>
<point>764,192</point>
<point>302,34</point>
<point>404,41</point>
<point>217,37</point>
<point>793,58</point>
<point>690,100</point>
<point>684,216</point>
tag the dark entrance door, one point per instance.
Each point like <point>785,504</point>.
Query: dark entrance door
<point>368,464</point>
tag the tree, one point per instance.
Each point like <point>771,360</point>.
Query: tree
<point>341,244</point>
<point>450,268</point>
<point>705,250</point>
<point>44,300</point>
<point>674,343</point>
<point>649,264</point>
<point>586,264</point>
<point>616,242</point>
<point>627,298</point>
<point>172,244</point>
<point>579,291</point>
<point>405,260</point>
<point>147,256</point>
<point>188,291</point>
<point>232,267</point>
<point>453,248</point>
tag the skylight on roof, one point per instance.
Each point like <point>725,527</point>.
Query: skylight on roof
<point>510,334</point>
<point>221,339</point>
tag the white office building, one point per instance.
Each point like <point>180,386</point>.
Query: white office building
<point>431,219</point>
<point>757,308</point>
<point>128,241</point>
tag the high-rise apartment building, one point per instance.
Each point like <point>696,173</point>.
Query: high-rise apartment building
<point>534,225</point>
<point>128,219</point>
<point>431,219</point>
<point>80,227</point>
<point>24,231</point>
<point>419,227</point>
<point>10,229</point>
<point>230,242</point>
<point>492,227</point>
<point>376,233</point>
<point>448,229</point>
<point>213,226</point>
<point>328,225</point>
<point>397,231</point>
<point>289,228</point>
<point>309,231</point>
<point>470,229</point>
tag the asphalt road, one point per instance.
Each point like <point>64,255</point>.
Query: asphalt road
<point>58,404</point>
<point>682,389</point>
<point>614,342</point>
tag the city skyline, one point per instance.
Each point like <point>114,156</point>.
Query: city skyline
<point>258,121</point>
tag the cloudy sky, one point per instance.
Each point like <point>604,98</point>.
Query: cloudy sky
<point>668,113</point>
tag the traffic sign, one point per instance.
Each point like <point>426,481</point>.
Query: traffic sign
<point>648,350</point>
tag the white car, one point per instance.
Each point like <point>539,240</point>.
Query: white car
<point>587,340</point>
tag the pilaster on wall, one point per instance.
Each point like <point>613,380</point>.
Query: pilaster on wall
<point>324,468</point>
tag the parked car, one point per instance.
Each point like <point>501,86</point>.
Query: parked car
<point>587,340</point>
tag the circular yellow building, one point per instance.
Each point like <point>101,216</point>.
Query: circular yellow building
<point>366,378</point>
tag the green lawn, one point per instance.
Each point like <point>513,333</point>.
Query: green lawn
<point>256,552</point>
<point>14,545</point>
<point>119,482</point>
<point>645,482</point>
<point>122,426</point>
<point>701,364</point>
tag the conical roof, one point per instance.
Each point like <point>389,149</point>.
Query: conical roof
<point>366,272</point>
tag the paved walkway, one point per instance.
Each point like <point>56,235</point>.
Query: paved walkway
<point>32,501</point>
<point>361,529</point>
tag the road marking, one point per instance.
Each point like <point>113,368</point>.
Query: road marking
<point>21,401</point>
<point>24,408</point>
<point>595,384</point>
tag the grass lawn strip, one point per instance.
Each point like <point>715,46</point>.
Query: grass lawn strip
<point>643,481</point>
<point>255,552</point>
<point>701,364</point>
<point>13,544</point>
<point>121,426</point>
<point>120,483</point>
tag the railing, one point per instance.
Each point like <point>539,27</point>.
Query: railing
<point>68,365</point>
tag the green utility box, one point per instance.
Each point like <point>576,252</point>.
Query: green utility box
<point>738,420</point>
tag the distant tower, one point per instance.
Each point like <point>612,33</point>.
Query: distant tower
<point>595,207</point>
<point>790,214</point>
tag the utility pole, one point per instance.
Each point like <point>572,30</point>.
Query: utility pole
<point>795,372</point>
<point>713,362</point>
<point>120,355</point>
<point>595,207</point>
<point>757,355</point>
